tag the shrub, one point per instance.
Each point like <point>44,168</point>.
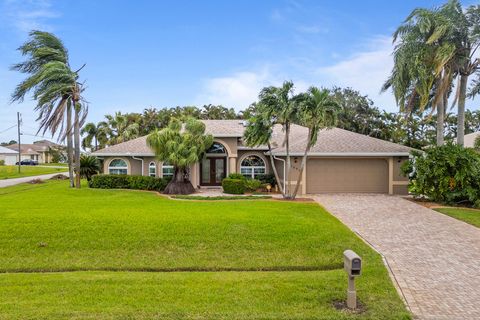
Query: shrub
<point>233,186</point>
<point>238,176</point>
<point>252,184</point>
<point>89,166</point>
<point>2,162</point>
<point>446,174</point>
<point>268,179</point>
<point>113,181</point>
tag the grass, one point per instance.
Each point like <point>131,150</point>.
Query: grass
<point>187,197</point>
<point>177,259</point>
<point>11,172</point>
<point>470,216</point>
<point>54,165</point>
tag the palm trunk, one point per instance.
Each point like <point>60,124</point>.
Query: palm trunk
<point>70,145</point>
<point>302,167</point>
<point>77,145</point>
<point>179,184</point>
<point>274,168</point>
<point>461,109</point>
<point>287,174</point>
<point>440,121</point>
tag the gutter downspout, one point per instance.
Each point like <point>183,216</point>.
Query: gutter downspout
<point>275,157</point>
<point>141,159</point>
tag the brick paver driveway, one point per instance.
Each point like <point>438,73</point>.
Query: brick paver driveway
<point>435,259</point>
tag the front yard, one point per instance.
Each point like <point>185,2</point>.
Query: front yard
<point>173,259</point>
<point>11,172</point>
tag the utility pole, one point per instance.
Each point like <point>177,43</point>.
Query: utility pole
<point>19,149</point>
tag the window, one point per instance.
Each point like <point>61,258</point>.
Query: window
<point>167,170</point>
<point>252,167</point>
<point>152,169</point>
<point>118,166</point>
<point>217,148</point>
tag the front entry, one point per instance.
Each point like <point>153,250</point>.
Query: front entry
<point>213,171</point>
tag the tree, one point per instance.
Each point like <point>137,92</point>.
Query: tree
<point>318,110</point>
<point>423,64</point>
<point>276,106</point>
<point>180,146</point>
<point>89,166</point>
<point>54,85</point>
<point>95,133</point>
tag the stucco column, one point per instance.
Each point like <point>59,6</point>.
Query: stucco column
<point>390,175</point>
<point>232,164</point>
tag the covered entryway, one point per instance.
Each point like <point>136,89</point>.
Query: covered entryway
<point>213,167</point>
<point>347,175</point>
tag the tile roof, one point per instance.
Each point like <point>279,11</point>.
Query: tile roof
<point>331,141</point>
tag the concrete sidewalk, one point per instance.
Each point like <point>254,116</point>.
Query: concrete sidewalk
<point>11,182</point>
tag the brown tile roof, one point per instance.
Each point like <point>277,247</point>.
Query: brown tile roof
<point>339,141</point>
<point>332,141</point>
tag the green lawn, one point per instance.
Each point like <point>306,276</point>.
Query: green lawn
<point>470,216</point>
<point>177,259</point>
<point>10,172</point>
<point>54,165</point>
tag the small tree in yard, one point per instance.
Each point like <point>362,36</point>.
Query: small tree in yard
<point>180,146</point>
<point>89,166</point>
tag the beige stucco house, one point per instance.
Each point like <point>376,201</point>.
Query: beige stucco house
<point>340,161</point>
<point>469,139</point>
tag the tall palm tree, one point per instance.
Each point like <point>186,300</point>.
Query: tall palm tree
<point>122,128</point>
<point>53,83</point>
<point>423,64</point>
<point>318,110</point>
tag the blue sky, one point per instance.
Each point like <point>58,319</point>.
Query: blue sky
<point>167,53</point>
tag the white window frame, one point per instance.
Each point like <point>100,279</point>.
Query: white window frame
<point>110,168</point>
<point>167,166</point>
<point>252,169</point>
<point>152,165</point>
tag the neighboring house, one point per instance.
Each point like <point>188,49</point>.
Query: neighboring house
<point>340,161</point>
<point>8,156</point>
<point>469,139</point>
<point>39,150</point>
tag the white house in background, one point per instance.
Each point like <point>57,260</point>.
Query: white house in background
<point>469,140</point>
<point>8,155</point>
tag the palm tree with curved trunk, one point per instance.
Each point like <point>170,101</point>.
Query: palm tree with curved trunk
<point>54,86</point>
<point>94,133</point>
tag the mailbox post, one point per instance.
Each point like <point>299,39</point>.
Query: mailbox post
<point>352,264</point>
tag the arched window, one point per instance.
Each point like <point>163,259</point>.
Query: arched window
<point>217,148</point>
<point>252,166</point>
<point>167,170</point>
<point>118,166</point>
<point>152,169</point>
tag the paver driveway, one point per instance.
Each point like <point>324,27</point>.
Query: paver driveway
<point>434,258</point>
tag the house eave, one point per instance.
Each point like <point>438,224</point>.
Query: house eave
<point>345,154</point>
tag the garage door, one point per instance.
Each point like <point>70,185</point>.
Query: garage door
<point>347,175</point>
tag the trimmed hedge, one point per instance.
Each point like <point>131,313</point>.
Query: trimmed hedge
<point>114,181</point>
<point>252,185</point>
<point>233,186</point>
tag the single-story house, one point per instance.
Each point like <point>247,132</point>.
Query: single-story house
<point>9,156</point>
<point>469,139</point>
<point>39,150</point>
<point>340,161</point>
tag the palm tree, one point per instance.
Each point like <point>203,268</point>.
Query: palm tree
<point>89,166</point>
<point>423,64</point>
<point>180,148</point>
<point>53,83</point>
<point>277,105</point>
<point>318,110</point>
<point>122,128</point>
<point>95,133</point>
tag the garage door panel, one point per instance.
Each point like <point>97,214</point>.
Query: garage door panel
<point>347,175</point>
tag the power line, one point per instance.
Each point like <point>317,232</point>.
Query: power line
<point>8,128</point>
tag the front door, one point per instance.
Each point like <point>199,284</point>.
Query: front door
<point>212,171</point>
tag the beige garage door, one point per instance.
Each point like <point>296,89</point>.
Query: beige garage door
<point>347,175</point>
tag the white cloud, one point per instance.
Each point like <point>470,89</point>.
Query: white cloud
<point>365,71</point>
<point>29,15</point>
